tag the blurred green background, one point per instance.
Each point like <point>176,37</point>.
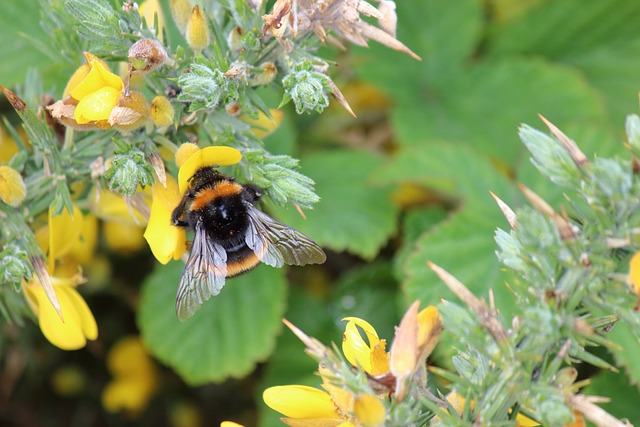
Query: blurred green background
<point>407,181</point>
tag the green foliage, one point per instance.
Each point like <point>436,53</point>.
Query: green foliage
<point>355,215</point>
<point>228,336</point>
<point>449,127</point>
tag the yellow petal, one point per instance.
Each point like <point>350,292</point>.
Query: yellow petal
<point>342,398</point>
<point>185,151</point>
<point>429,328</point>
<point>150,8</point>
<point>12,188</point>
<point>264,126</point>
<point>524,421</point>
<point>298,401</point>
<point>64,232</point>
<point>84,248</point>
<point>165,240</point>
<point>634,273</point>
<point>123,238</point>
<point>98,78</point>
<point>379,359</point>
<point>97,105</point>
<point>230,424</point>
<point>208,156</point>
<point>78,324</point>
<point>129,357</point>
<point>369,411</point>
<point>161,111</point>
<point>127,394</point>
<point>355,349</point>
<point>316,422</point>
<point>8,147</point>
<point>111,207</point>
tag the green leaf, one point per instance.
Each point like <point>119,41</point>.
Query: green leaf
<point>628,353</point>
<point>600,39</point>
<point>289,364</point>
<point>444,36</point>
<point>624,397</point>
<point>353,215</point>
<point>463,244</point>
<point>473,108</point>
<point>228,335</point>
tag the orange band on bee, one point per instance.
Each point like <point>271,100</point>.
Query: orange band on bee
<point>208,195</point>
<point>240,266</point>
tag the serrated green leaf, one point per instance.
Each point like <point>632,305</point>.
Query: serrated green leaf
<point>353,214</point>
<point>289,364</point>
<point>601,39</point>
<point>228,335</point>
<point>457,170</point>
<point>444,36</point>
<point>628,355</point>
<point>463,244</point>
<point>472,109</point>
<point>557,28</point>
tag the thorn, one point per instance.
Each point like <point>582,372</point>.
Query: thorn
<point>576,154</point>
<point>508,213</point>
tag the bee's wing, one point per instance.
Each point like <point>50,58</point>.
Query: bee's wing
<point>203,275</point>
<point>276,244</point>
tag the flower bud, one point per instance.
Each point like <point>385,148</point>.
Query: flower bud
<point>235,38</point>
<point>307,88</point>
<point>184,152</point>
<point>267,75</point>
<point>197,34</point>
<point>12,188</point>
<point>181,11</point>
<point>14,264</point>
<point>146,55</point>
<point>161,111</point>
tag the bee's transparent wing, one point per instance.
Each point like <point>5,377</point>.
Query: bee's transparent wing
<point>276,244</point>
<point>203,275</point>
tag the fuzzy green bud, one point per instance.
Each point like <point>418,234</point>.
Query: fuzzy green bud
<point>308,89</point>
<point>14,265</point>
<point>206,87</point>
<point>550,157</point>
<point>129,170</point>
<point>551,407</point>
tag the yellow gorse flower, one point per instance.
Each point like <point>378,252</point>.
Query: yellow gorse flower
<point>12,188</point>
<point>134,377</point>
<point>97,93</point>
<point>72,238</point>
<point>78,325</point>
<point>371,356</point>
<point>166,241</point>
<point>304,406</point>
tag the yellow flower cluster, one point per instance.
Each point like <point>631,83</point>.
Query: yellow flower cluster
<point>311,407</point>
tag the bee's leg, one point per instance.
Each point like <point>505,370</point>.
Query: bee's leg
<point>177,213</point>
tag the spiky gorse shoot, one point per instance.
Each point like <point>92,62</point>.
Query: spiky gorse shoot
<point>574,278</point>
<point>132,98</point>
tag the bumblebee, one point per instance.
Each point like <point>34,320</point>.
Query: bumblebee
<point>231,236</point>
